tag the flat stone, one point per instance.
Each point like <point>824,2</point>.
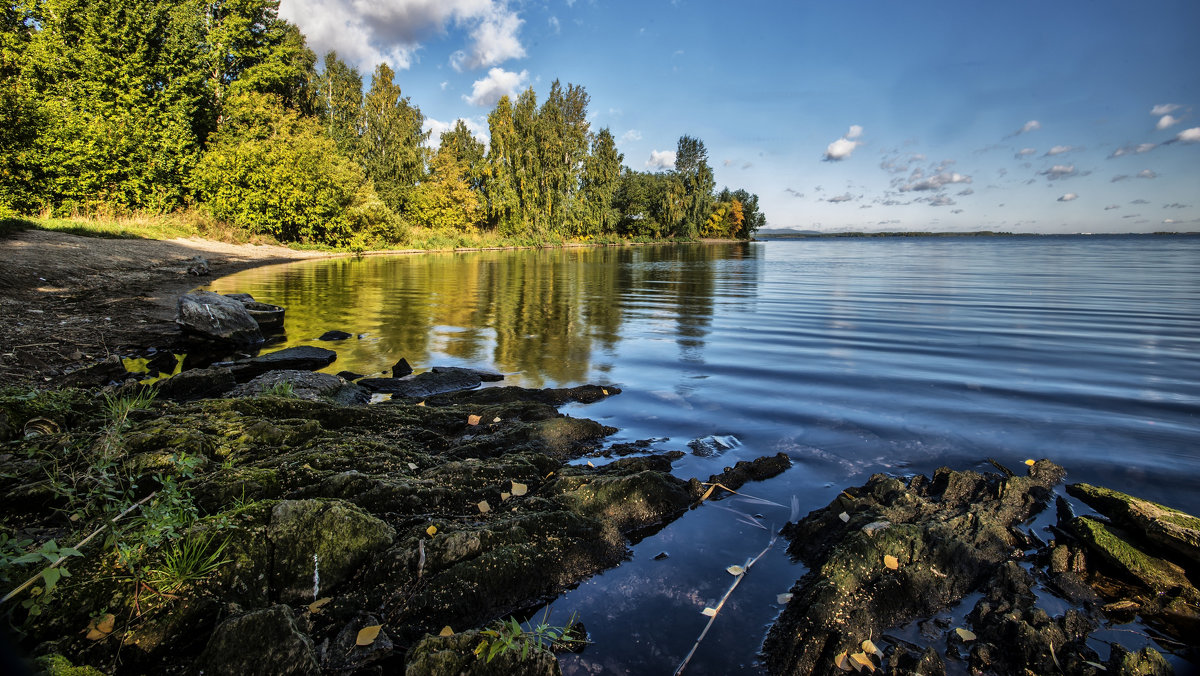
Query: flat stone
<point>334,335</point>
<point>303,357</point>
<point>306,385</point>
<point>219,318</point>
<point>429,383</point>
<point>196,384</point>
<point>1166,527</point>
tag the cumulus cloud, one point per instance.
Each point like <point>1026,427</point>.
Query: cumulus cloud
<point>1059,171</point>
<point>1059,150</point>
<point>940,201</point>
<point>966,191</point>
<point>1166,121</point>
<point>1189,135</point>
<point>1131,149</point>
<point>1164,108</point>
<point>555,25</point>
<point>845,197</point>
<point>935,182</point>
<point>499,82</point>
<point>366,33</point>
<point>1112,206</point>
<point>793,192</point>
<point>661,159</point>
<point>1146,173</point>
<point>841,148</point>
<point>1025,152</point>
<point>1069,197</point>
<point>1032,125</point>
<point>631,135</point>
<point>477,127</point>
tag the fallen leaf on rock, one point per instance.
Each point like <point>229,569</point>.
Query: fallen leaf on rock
<point>316,606</point>
<point>783,598</point>
<point>519,489</point>
<point>735,570</point>
<point>707,493</point>
<point>965,634</point>
<point>446,631</point>
<point>1029,462</point>
<point>473,419</point>
<point>891,562</point>
<point>484,507</point>
<point>860,661</point>
<point>496,419</point>
<point>421,404</point>
<point>844,517</point>
<point>869,646</point>
<point>412,466</point>
<point>842,661</point>
<point>431,531</point>
<point>367,635</point>
<point>548,475</point>
<point>605,391</point>
<point>709,612</point>
<point>101,626</point>
<point>505,496</point>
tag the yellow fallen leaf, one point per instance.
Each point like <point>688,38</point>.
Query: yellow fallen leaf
<point>548,475</point>
<point>860,661</point>
<point>844,517</point>
<point>519,489</point>
<point>590,464</point>
<point>505,496</point>
<point>735,570</point>
<point>446,631</point>
<point>965,634</point>
<point>869,646</point>
<point>709,612</point>
<point>421,404</point>
<point>101,626</point>
<point>708,492</point>
<point>496,419</point>
<point>604,390</point>
<point>1029,462</point>
<point>412,466</point>
<point>783,598</point>
<point>484,507</point>
<point>891,562</point>
<point>367,635</point>
<point>431,531</point>
<point>316,606</point>
<point>842,661</point>
<point>473,419</point>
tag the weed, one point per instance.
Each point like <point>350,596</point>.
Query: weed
<point>284,390</point>
<point>189,560</point>
<point>510,636</point>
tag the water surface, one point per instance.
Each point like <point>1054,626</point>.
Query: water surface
<point>851,356</point>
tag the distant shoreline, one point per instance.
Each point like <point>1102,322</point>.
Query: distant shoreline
<point>760,236</point>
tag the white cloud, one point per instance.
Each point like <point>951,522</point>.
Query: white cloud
<point>1059,171</point>
<point>477,127</point>
<point>841,148</point>
<point>846,197</point>
<point>1164,108</point>
<point>1146,173</point>
<point>1189,135</point>
<point>365,33</point>
<point>1032,125</point>
<point>555,25</point>
<point>661,159</point>
<point>631,135</point>
<point>934,182</point>
<point>1069,197</point>
<point>1166,121</point>
<point>1133,150</point>
<point>1112,206</point>
<point>1026,152</point>
<point>499,82</point>
<point>1059,150</point>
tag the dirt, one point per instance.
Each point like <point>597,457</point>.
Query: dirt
<point>68,301</point>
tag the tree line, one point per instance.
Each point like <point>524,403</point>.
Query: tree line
<point>122,106</point>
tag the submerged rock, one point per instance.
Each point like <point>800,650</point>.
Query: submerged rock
<point>334,335</point>
<point>713,445</point>
<point>218,318</point>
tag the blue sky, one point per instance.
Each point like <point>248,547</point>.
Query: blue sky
<point>841,115</point>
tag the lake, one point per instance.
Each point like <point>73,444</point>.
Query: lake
<point>852,356</point>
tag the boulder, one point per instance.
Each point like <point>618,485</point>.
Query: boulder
<point>306,385</point>
<point>267,641</point>
<point>196,384</point>
<point>334,335</point>
<point>1165,527</point>
<point>215,317</point>
<point>198,266</point>
<point>303,357</point>
<point>401,368</point>
<point>438,380</point>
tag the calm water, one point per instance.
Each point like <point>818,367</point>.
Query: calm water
<point>851,356</point>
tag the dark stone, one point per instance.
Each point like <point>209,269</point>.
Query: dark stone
<point>349,375</point>
<point>334,335</point>
<point>303,357</point>
<point>485,376</point>
<point>584,394</point>
<point>196,384</point>
<point>269,317</point>
<point>753,470</point>
<point>429,383</point>
<point>198,266</point>
<point>215,317</point>
<point>345,653</point>
<point>306,385</point>
<point>267,641</point>
<point>241,297</point>
<point>713,445</point>
<point>401,368</point>
<point>96,375</point>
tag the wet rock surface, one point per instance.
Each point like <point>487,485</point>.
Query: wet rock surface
<point>304,385</point>
<point>302,357</point>
<point>217,318</point>
<point>438,380</point>
<point>898,553</point>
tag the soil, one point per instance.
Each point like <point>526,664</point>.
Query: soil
<point>68,301</point>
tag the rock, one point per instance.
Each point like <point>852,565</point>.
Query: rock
<point>349,375</point>
<point>323,541</point>
<point>584,394</point>
<point>1145,662</point>
<point>335,335</point>
<point>401,368</point>
<point>306,385</point>
<point>948,534</point>
<point>196,384</point>
<point>215,317</point>
<point>265,642</point>
<point>241,297</point>
<point>303,357</point>
<point>442,655</point>
<point>198,266</point>
<point>713,445</point>
<point>429,383</point>
<point>1116,547</point>
<point>96,375</point>
<point>345,653</point>
<point>1166,527</point>
<point>269,317</point>
<point>485,376</point>
<point>754,470</point>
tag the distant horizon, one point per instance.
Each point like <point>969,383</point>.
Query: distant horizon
<point>793,232</point>
<point>1017,117</point>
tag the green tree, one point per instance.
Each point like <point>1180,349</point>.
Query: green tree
<point>20,120</point>
<point>391,148</point>
<point>467,151</point>
<point>503,205</point>
<point>691,167</point>
<point>445,201</point>
<point>339,90</point>
<point>601,178</point>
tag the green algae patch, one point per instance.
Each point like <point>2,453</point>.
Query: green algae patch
<point>57,665</point>
<point>1166,527</point>
<point>1115,547</point>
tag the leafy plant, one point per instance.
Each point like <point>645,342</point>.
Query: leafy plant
<point>285,390</point>
<point>510,636</point>
<point>187,561</point>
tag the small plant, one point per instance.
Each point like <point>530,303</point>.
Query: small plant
<point>187,561</point>
<point>284,390</point>
<point>119,408</point>
<point>509,636</point>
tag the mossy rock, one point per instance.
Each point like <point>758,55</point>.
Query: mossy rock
<point>1115,546</point>
<point>57,665</point>
<point>262,642</point>
<point>455,656</point>
<point>625,502</point>
<point>326,538</point>
<point>1166,527</point>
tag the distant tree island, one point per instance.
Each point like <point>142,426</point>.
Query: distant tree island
<point>219,109</point>
<point>810,234</point>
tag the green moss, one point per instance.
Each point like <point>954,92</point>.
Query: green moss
<point>1155,573</point>
<point>57,665</point>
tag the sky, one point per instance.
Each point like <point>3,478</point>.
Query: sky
<point>842,115</point>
